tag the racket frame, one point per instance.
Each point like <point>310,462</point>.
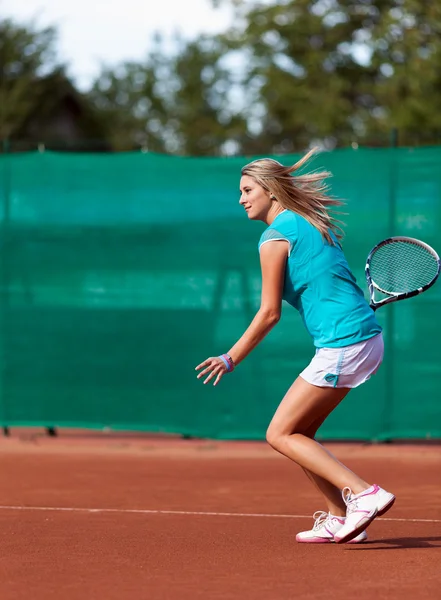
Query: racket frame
<point>395,296</point>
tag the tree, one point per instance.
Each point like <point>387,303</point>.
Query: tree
<point>207,121</point>
<point>337,70</point>
<point>302,76</point>
<point>38,102</point>
<point>176,101</point>
<point>406,55</point>
<point>25,56</point>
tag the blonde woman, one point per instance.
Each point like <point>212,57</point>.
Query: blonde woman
<point>303,263</point>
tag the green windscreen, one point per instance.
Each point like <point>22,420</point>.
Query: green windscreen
<point>120,273</point>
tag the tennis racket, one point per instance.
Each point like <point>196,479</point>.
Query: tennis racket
<point>400,268</point>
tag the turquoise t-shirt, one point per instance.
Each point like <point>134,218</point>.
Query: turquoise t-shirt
<point>320,285</point>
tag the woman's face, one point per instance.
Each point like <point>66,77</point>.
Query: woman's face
<point>255,200</point>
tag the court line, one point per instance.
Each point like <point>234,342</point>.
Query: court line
<point>141,511</point>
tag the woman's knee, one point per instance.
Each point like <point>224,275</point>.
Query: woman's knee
<point>277,438</point>
<point>274,437</point>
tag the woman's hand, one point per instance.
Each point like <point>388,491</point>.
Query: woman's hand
<point>215,366</point>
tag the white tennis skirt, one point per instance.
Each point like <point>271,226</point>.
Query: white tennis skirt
<point>346,367</point>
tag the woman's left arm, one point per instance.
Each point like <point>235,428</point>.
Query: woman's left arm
<point>273,256</point>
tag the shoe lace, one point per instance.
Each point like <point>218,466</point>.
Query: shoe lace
<point>321,518</point>
<point>349,500</point>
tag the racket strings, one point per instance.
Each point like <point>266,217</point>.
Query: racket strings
<point>402,266</point>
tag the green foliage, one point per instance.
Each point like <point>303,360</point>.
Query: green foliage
<point>38,103</point>
<point>174,102</point>
<point>288,74</point>
<point>25,55</point>
<point>337,71</point>
<point>406,53</point>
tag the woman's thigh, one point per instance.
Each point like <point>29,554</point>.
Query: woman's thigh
<point>304,407</point>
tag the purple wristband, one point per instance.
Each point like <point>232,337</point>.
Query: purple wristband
<point>228,362</point>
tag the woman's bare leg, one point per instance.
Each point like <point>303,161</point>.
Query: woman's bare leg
<point>333,498</point>
<point>303,405</point>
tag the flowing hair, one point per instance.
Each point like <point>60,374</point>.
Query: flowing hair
<point>304,194</point>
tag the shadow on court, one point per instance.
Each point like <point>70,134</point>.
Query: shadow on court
<point>403,542</point>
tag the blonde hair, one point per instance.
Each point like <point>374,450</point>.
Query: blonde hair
<point>305,194</point>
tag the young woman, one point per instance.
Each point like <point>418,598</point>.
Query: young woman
<point>303,263</point>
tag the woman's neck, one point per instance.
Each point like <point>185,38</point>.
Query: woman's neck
<point>274,212</point>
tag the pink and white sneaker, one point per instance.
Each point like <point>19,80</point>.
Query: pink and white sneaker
<point>324,529</point>
<point>362,509</point>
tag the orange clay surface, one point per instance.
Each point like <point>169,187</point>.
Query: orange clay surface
<point>88,516</point>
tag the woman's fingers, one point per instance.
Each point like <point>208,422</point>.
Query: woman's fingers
<point>203,364</point>
<point>219,377</point>
<point>202,373</point>
<point>214,366</point>
<point>213,373</point>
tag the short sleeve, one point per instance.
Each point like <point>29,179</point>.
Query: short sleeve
<point>270,235</point>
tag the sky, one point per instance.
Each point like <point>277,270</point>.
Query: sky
<point>114,30</point>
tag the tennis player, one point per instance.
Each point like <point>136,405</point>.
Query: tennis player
<point>302,262</point>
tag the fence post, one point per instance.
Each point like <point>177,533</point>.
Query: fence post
<point>4,279</point>
<point>390,315</point>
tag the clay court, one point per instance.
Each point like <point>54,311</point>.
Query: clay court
<point>114,517</point>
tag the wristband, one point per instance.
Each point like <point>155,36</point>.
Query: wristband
<point>228,362</point>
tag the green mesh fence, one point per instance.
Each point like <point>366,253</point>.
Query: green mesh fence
<point>119,273</point>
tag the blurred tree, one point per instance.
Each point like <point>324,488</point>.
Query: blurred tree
<point>334,71</point>
<point>177,101</point>
<point>288,74</point>
<point>406,55</point>
<point>38,103</point>
<point>207,119</point>
<point>133,112</point>
<point>61,118</point>
<point>25,56</point>
<point>303,75</point>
